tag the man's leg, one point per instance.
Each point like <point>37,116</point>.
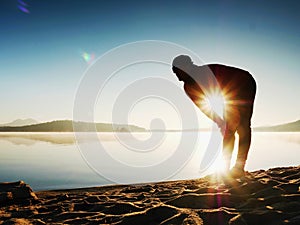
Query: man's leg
<point>244,132</point>
<point>232,119</point>
<point>228,144</point>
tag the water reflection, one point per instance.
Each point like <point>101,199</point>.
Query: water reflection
<point>56,138</point>
<point>68,138</point>
<point>29,139</point>
<point>52,160</point>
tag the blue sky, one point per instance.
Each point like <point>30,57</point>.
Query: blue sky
<point>40,51</point>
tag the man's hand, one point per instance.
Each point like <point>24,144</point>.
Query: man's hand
<point>222,125</point>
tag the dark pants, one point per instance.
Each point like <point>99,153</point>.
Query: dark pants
<point>238,119</point>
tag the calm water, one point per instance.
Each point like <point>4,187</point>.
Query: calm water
<point>54,161</point>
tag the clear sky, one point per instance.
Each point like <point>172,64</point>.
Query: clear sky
<point>42,42</point>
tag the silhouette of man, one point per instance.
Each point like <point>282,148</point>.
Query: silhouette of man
<point>238,88</point>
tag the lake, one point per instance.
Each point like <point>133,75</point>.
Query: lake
<point>55,161</point>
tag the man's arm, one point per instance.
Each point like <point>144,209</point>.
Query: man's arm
<point>212,115</point>
<point>198,97</point>
<point>209,112</point>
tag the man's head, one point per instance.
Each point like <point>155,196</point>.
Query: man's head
<point>181,66</point>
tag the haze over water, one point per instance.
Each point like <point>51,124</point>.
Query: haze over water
<point>53,160</point>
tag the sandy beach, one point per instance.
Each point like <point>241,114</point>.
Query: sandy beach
<point>261,197</point>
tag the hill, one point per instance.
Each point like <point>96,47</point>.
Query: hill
<point>20,122</point>
<point>287,127</point>
<point>67,126</point>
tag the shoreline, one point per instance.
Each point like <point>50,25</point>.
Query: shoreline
<point>271,196</point>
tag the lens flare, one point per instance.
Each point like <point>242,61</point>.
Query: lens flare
<point>89,58</point>
<point>23,6</point>
<point>22,3</point>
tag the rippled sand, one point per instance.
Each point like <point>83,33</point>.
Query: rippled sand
<point>261,197</point>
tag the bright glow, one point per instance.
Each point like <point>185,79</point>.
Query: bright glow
<point>219,166</point>
<point>215,102</point>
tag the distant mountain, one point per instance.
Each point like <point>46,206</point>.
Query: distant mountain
<point>20,122</point>
<point>67,126</point>
<point>287,127</point>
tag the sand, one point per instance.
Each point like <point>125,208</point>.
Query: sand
<point>261,197</point>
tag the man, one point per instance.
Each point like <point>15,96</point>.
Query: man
<point>238,89</point>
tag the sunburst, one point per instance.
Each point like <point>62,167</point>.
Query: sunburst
<point>214,101</point>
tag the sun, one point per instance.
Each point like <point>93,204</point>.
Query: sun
<point>215,102</point>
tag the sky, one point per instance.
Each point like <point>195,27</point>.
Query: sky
<point>43,42</point>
